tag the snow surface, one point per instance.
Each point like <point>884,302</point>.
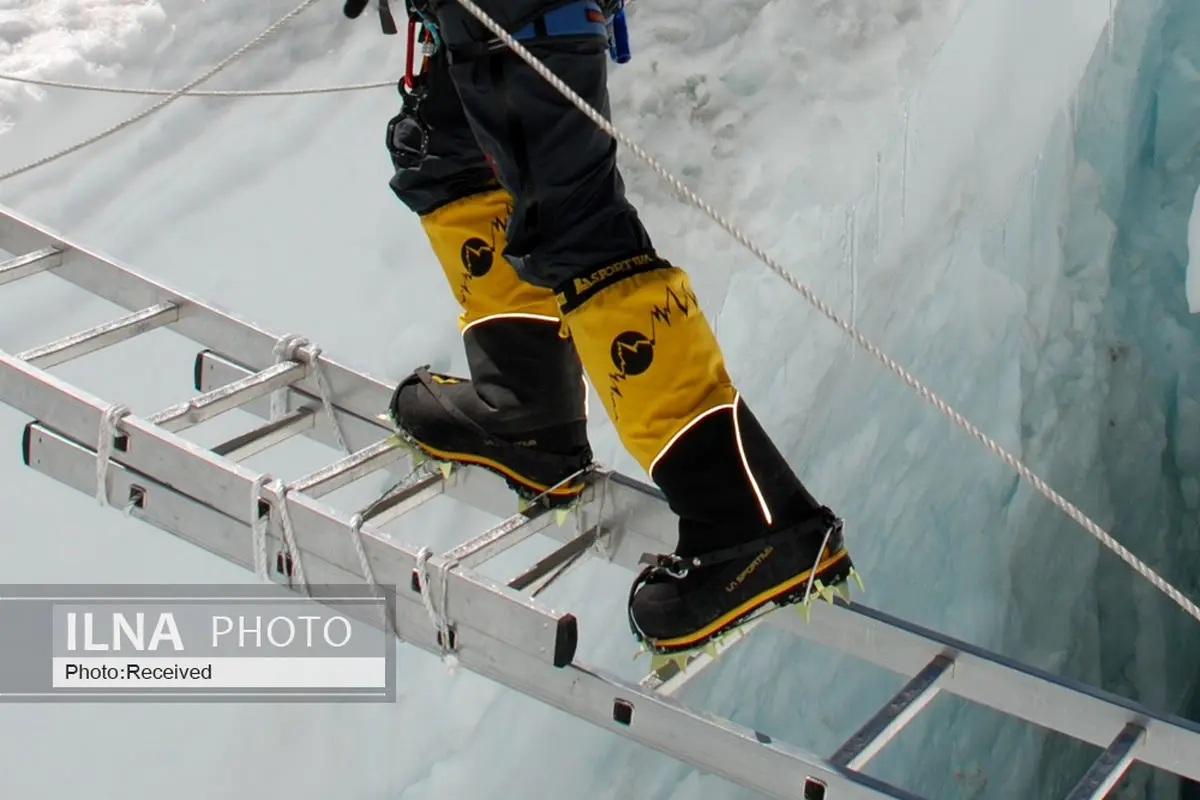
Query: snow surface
<point>996,192</point>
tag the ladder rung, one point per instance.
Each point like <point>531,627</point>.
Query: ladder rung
<point>29,264</point>
<point>497,539</point>
<point>671,676</point>
<point>231,395</point>
<point>241,447</point>
<point>387,508</point>
<point>880,729</point>
<point>101,336</point>
<point>347,470</point>
<point>1110,766</point>
<point>564,555</point>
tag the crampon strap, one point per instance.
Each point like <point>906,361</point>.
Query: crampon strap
<point>673,566</point>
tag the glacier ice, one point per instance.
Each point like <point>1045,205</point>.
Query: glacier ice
<point>1193,274</point>
<point>996,192</point>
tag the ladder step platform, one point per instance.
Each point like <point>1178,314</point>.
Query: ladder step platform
<point>291,536</point>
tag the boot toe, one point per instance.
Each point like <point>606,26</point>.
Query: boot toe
<point>663,610</point>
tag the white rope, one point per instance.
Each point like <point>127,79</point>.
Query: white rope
<point>926,394</point>
<point>356,536</point>
<point>258,526</point>
<point>110,422</point>
<point>175,95</point>
<point>288,348</point>
<point>289,533</point>
<point>258,529</point>
<point>439,615</point>
<point>87,87</point>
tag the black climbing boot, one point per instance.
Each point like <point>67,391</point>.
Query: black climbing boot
<point>521,414</point>
<point>750,534</point>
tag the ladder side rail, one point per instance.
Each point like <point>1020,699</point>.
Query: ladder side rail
<point>74,465</point>
<point>473,600</point>
<point>19,235</point>
<point>1006,685</point>
<point>173,511</point>
<point>902,647</point>
<point>484,611</point>
<point>712,744</point>
<point>897,645</point>
<point>203,322</point>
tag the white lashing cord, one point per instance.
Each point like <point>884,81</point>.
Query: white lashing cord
<point>258,525</point>
<point>439,615</point>
<point>928,395</point>
<point>258,529</point>
<point>110,421</point>
<point>287,349</point>
<point>364,562</point>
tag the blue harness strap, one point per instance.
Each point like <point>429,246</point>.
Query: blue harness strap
<point>581,18</point>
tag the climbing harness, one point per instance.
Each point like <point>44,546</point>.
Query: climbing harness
<point>618,30</point>
<point>407,133</point>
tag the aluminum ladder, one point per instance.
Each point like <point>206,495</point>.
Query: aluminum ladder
<point>500,631</point>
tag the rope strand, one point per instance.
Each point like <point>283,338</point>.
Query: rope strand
<point>161,104</point>
<point>926,394</point>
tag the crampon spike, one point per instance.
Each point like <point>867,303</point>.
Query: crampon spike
<point>858,579</point>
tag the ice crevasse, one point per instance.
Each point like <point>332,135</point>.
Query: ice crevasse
<point>1021,244</point>
<point>1022,247</point>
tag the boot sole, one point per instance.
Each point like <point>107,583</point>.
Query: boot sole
<point>525,488</point>
<point>833,570</point>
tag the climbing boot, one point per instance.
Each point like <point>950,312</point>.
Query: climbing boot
<point>750,534</point>
<point>522,412</point>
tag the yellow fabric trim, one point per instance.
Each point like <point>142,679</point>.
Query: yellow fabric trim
<point>652,357</point>
<point>468,238</point>
<point>760,599</point>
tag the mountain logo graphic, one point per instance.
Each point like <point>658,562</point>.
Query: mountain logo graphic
<point>631,353</point>
<point>477,256</point>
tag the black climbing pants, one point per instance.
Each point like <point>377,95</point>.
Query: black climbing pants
<point>487,117</point>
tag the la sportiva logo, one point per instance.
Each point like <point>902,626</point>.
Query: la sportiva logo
<point>478,255</point>
<point>632,352</point>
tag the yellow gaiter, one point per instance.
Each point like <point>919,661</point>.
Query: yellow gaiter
<point>648,350</point>
<point>468,239</point>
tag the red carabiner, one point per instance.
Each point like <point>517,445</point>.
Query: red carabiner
<point>408,59</point>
